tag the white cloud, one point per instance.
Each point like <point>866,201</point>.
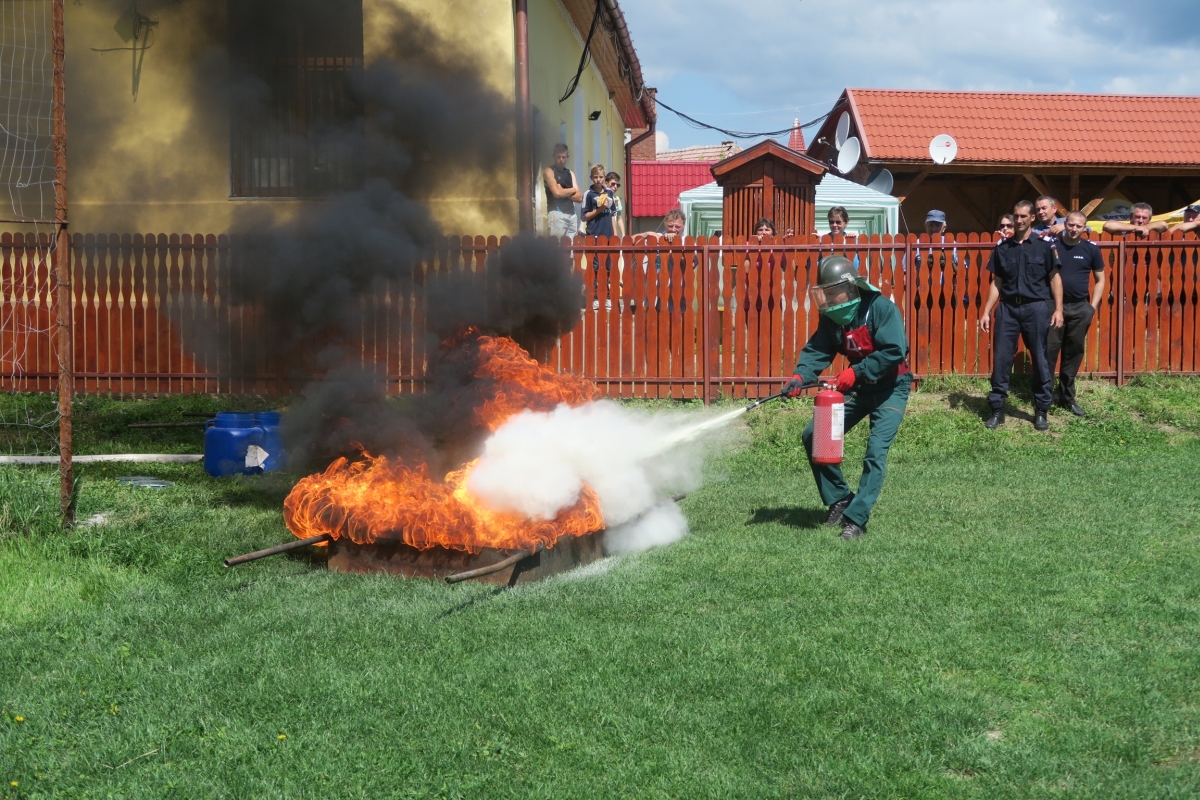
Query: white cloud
<point>711,55</point>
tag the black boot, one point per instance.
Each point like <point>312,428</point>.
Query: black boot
<point>1040,422</point>
<point>995,420</point>
<point>851,530</point>
<point>1076,410</point>
<point>835,511</point>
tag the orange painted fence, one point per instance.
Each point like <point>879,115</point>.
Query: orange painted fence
<point>693,319</point>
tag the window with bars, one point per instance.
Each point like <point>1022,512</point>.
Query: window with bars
<point>296,125</point>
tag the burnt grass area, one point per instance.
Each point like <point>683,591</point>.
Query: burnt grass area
<point>1020,621</point>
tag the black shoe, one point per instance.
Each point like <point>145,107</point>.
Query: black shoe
<point>852,531</point>
<point>995,420</point>
<point>1039,422</point>
<point>1076,410</point>
<point>835,511</point>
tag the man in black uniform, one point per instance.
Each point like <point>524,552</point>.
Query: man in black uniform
<point>1025,281</point>
<point>1079,260</point>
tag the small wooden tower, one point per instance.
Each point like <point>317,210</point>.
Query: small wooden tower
<point>768,180</point>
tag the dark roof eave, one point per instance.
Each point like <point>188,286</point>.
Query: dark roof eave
<point>1025,166</point>
<point>646,101</point>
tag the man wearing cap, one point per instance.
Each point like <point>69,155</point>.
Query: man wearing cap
<point>1025,283</point>
<point>935,226</point>
<point>1191,220</point>
<point>857,321</point>
<point>1079,260</point>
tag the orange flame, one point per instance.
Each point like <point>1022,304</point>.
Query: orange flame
<point>380,497</point>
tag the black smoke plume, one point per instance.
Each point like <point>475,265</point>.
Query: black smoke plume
<point>423,121</point>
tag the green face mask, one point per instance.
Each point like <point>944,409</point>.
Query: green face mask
<point>843,314</point>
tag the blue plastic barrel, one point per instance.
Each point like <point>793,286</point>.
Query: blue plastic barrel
<point>269,422</point>
<point>226,440</point>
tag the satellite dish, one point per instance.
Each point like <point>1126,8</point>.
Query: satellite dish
<point>943,148</point>
<point>843,130</point>
<point>849,154</point>
<point>880,181</point>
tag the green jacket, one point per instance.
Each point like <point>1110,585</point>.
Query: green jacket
<point>887,331</point>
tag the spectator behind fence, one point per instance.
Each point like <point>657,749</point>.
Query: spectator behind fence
<point>935,226</point>
<point>764,228</point>
<point>612,182</point>
<point>562,193</point>
<point>839,218</point>
<point>597,205</point>
<point>935,222</point>
<point>1004,228</point>
<point>1079,260</point>
<point>1191,220</point>
<point>597,216</point>
<point>1139,222</point>
<point>1048,223</point>
<point>673,224</point>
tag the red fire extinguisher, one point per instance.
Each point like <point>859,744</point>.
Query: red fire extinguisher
<point>829,422</point>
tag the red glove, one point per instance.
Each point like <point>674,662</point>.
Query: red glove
<point>845,380</point>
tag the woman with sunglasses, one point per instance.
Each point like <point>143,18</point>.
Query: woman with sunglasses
<point>1005,228</point>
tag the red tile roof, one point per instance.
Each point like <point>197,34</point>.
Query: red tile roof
<point>656,184</point>
<point>796,139</point>
<point>1011,127</point>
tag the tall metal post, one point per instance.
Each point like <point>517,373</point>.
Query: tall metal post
<point>1119,296</point>
<point>524,120</point>
<point>61,253</point>
<point>706,349</point>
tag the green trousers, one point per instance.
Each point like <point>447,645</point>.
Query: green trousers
<point>885,407</point>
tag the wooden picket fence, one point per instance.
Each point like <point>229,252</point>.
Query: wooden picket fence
<point>694,319</point>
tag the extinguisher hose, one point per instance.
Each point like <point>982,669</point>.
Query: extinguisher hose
<point>780,396</point>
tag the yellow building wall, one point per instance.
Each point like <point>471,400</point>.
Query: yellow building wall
<point>148,132</point>
<point>555,47</point>
<point>159,161</point>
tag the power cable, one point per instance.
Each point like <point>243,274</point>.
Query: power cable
<point>695,123</point>
<point>584,57</point>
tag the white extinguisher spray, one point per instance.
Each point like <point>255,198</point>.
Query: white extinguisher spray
<point>829,423</point>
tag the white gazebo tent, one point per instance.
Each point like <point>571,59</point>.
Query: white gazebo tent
<point>870,211</point>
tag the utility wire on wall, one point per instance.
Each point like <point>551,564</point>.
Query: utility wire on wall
<point>584,57</point>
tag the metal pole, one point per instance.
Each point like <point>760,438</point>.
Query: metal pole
<point>524,120</point>
<point>706,346</point>
<point>62,268</point>
<point>910,315</point>
<point>1119,296</point>
<point>277,549</point>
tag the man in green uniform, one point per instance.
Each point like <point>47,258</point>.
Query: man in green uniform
<point>863,325</point>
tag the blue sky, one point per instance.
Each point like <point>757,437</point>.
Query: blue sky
<point>758,64</point>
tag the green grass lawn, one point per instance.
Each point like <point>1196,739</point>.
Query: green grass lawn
<point>1021,620</point>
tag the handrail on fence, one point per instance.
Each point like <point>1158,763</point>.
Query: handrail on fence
<point>686,319</point>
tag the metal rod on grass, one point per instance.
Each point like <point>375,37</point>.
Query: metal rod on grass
<point>489,569</point>
<point>277,549</point>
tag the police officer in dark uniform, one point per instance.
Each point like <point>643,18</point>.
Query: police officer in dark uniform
<point>860,323</point>
<point>1080,260</point>
<point>1026,283</point>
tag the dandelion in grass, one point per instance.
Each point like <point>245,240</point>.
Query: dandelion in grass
<point>14,784</point>
<point>282,736</point>
<point>19,719</point>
